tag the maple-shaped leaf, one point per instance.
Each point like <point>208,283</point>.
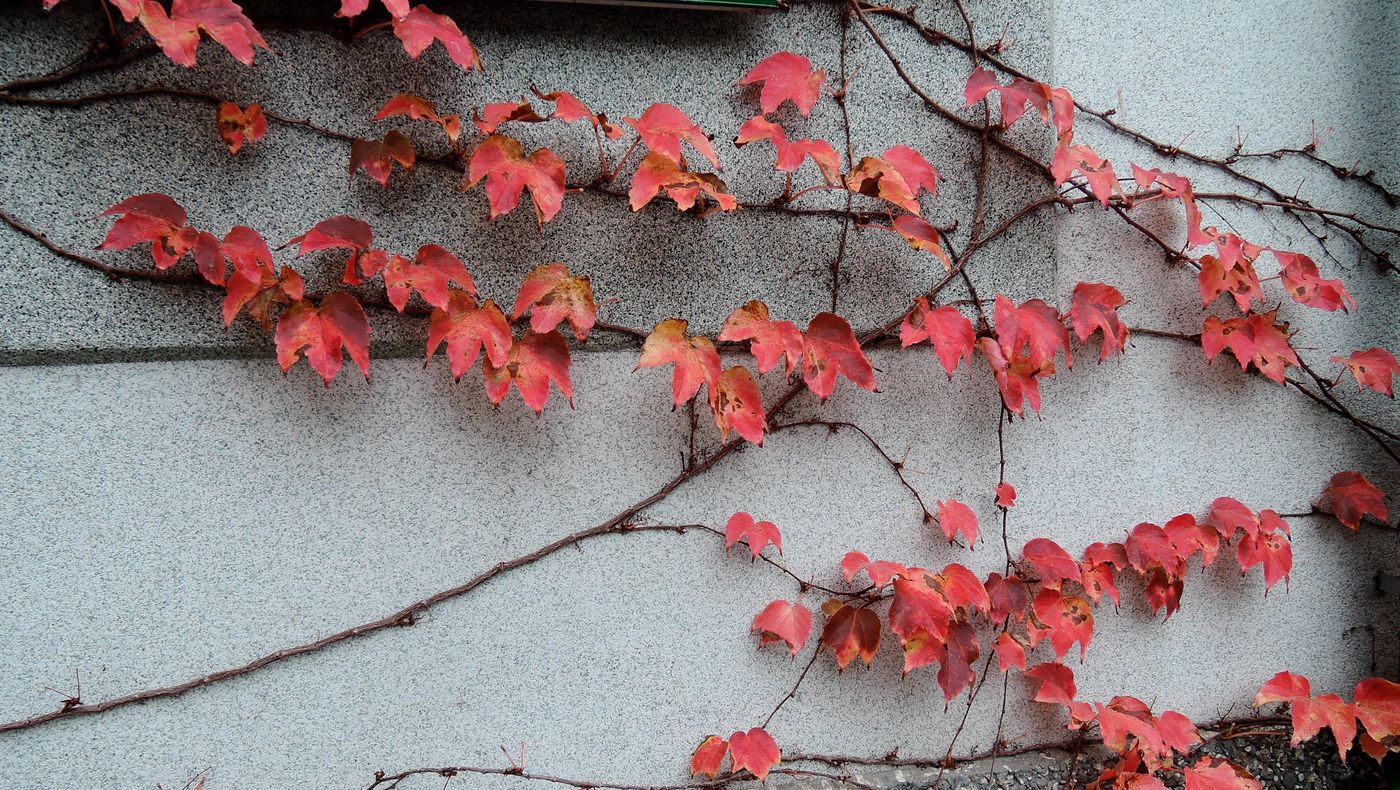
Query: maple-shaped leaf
<point>255,283</point>
<point>553,295</point>
<point>1126,717</point>
<point>1149,546</point>
<point>662,127</point>
<point>1375,368</point>
<point>758,534</point>
<point>963,589</point>
<point>1178,733</point>
<point>496,113</point>
<point>1032,329</point>
<point>418,108</point>
<point>1096,170</point>
<point>502,162</point>
<point>1353,497</point>
<point>1009,597</point>
<point>1311,715</point>
<point>738,406</point>
<point>1055,683</point>
<point>1065,619</point>
<point>657,172</point>
<point>339,322</point>
<point>918,608</point>
<point>1053,563</point>
<point>376,157</point>
<point>1216,773</point>
<point>420,27</point>
<point>954,517</point>
<point>345,233</point>
<point>1006,495</point>
<point>709,756</point>
<point>1099,568</point>
<point>753,751</point>
<point>1269,547</point>
<point>153,218</point>
<point>569,109</point>
<point>791,154</point>
<point>946,329</point>
<point>1377,703</point>
<point>533,362</point>
<point>771,341</point>
<point>786,76</point>
<point>467,329</point>
<point>782,621</point>
<point>1231,270</point>
<point>1252,339</point>
<point>239,126</point>
<point>1176,186</point>
<point>955,659</point>
<point>178,33</point>
<point>695,358</point>
<point>1163,591</point>
<point>1009,652</point>
<point>881,572</point>
<point>1305,284</point>
<point>1015,96</point>
<point>830,347</point>
<point>1094,306</point>
<point>1228,515</point>
<point>850,631</point>
<point>896,177</point>
<point>1190,536</point>
<point>430,273</point>
<point>1283,687</point>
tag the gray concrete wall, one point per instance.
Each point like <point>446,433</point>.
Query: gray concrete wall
<point>172,504</point>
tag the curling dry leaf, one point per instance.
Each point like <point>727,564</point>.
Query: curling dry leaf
<point>657,172</point>
<point>502,162</point>
<point>786,76</point>
<point>238,127</point>
<point>783,621</point>
<point>418,108</point>
<point>467,329</point>
<point>339,322</point>
<point>534,361</point>
<point>496,113</point>
<point>695,358</point>
<point>553,295</point>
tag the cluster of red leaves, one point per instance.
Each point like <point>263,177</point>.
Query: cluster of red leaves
<point>1147,744</point>
<point>828,348</point>
<point>934,614</point>
<point>1376,703</point>
<point>753,751</point>
<point>1026,339</point>
<point>337,325</point>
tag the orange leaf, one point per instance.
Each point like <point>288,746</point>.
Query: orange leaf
<point>237,127</point>
<point>708,756</point>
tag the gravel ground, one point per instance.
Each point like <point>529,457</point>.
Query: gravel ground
<point>1270,759</point>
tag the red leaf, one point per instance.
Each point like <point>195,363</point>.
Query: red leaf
<point>1283,687</point>
<point>1374,368</point>
<point>955,517</point>
<point>1065,619</point>
<point>1015,96</point>
<point>339,322</point>
<point>1149,546</point>
<point>1232,271</point>
<point>569,109</point>
<point>1126,717</point>
<point>1009,597</point>
<point>1175,186</point>
<point>771,341</point>
<point>1377,703</point>
<point>502,162</point>
<point>1052,562</point>
<point>376,157</point>
<point>786,622</point>
<point>850,632</point>
<point>662,127</point>
<point>1163,591</point>
<point>345,233</point>
<point>828,348</point>
<point>1214,773</point>
<point>1010,652</point>
<point>1027,339</point>
<point>497,113</point>
<point>708,756</point>
<point>1310,716</point>
<point>1228,515</point>
<point>1055,683</point>
<point>921,236</point>
<point>684,187</point>
<point>914,169</point>
<point>786,76</point>
<point>695,358</point>
<point>417,108</point>
<point>950,334</point>
<point>791,155</point>
<point>1306,286</point>
<point>1178,733</point>
<point>552,295</point>
<point>533,362</point>
<point>754,751</point>
<point>881,572</point>
<point>955,659</point>
<point>1006,495</point>
<point>738,405</point>
<point>153,218</point>
<point>1094,306</point>
<point>1354,497</point>
<point>918,608</point>
<point>420,27</point>
<point>468,329</point>
<point>177,34</point>
<point>1252,339</point>
<point>260,289</point>
<point>1095,169</point>
<point>237,126</point>
<point>758,534</point>
<point>430,273</point>
<point>895,177</point>
<point>1270,547</point>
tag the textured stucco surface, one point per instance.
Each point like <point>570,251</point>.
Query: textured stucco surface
<point>169,510</point>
